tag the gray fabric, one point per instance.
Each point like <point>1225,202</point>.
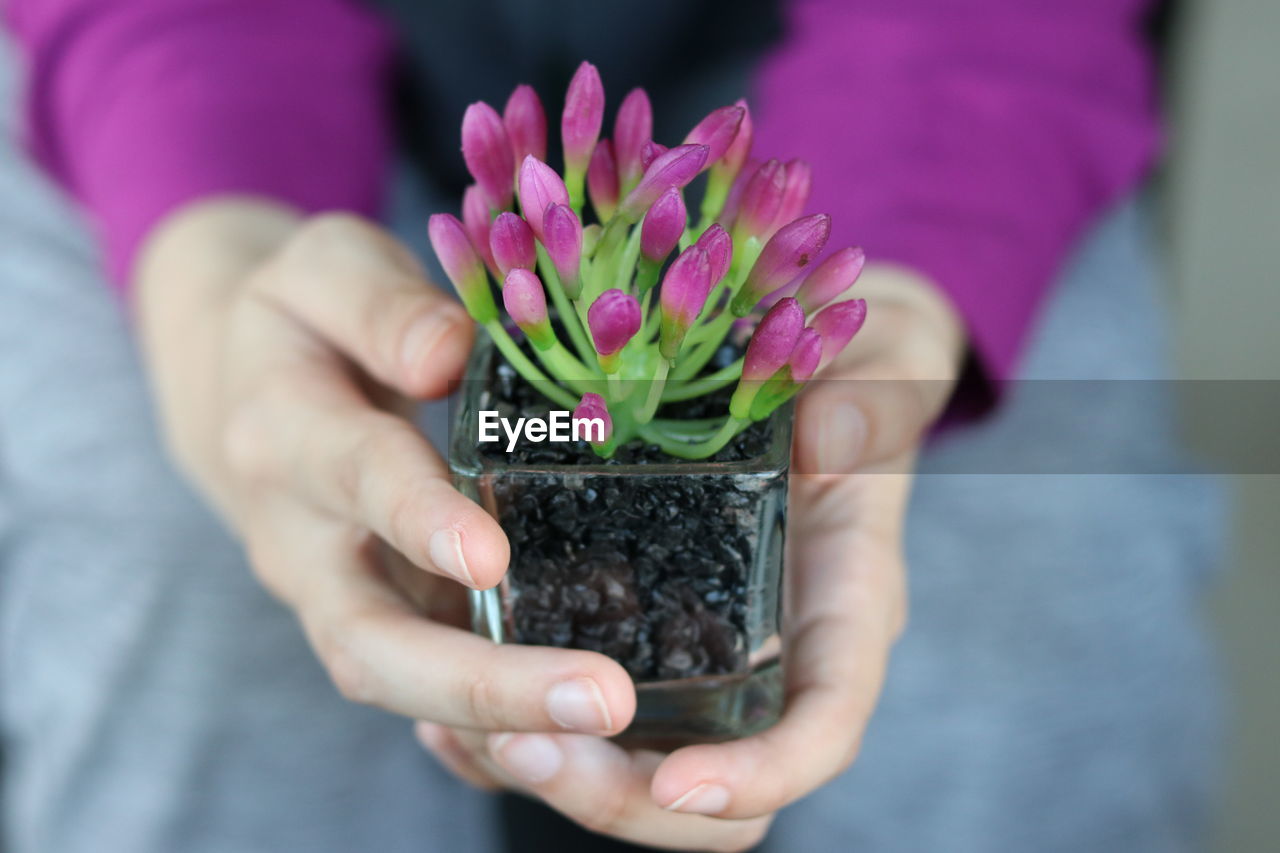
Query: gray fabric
<point>152,697</point>
<point>1053,692</point>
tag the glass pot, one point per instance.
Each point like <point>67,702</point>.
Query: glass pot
<point>672,568</point>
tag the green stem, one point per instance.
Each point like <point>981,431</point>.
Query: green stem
<point>645,302</point>
<point>708,340</point>
<point>646,412</point>
<point>568,317</point>
<point>713,199</point>
<point>526,368</point>
<point>697,387</point>
<point>562,364</point>
<point>687,431</point>
<point>745,254</point>
<point>695,450</point>
<point>615,388</point>
<point>605,262</point>
<point>706,426</point>
<point>646,277</point>
<point>573,182</point>
<point>652,319</point>
<point>712,303</point>
<point>581,307</point>
<point>626,269</point>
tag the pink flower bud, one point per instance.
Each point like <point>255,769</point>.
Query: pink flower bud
<point>837,324</point>
<point>602,181</point>
<point>614,319</point>
<point>562,235</point>
<point>769,349</point>
<point>795,194</point>
<point>831,278</point>
<point>526,124</point>
<point>771,299</point>
<point>675,168</point>
<point>717,131</point>
<point>760,201</point>
<point>735,156</point>
<point>525,301</point>
<point>540,186</point>
<point>806,355</point>
<point>593,408</point>
<point>783,258</point>
<point>583,115</point>
<point>475,215</point>
<point>773,340</point>
<point>715,241</point>
<point>785,382</point>
<point>684,293</point>
<point>511,240</point>
<point>631,130</point>
<point>649,152</point>
<point>663,225</point>
<point>487,151</point>
<point>462,265</point>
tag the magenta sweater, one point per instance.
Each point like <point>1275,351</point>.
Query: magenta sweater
<point>969,139</point>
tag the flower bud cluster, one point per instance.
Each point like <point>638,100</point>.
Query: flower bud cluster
<point>577,255</point>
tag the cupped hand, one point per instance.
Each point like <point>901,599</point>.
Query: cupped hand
<point>284,354</point>
<point>857,432</point>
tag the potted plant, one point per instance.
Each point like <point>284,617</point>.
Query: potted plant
<point>628,424</point>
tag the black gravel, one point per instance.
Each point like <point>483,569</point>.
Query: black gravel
<point>651,570</point>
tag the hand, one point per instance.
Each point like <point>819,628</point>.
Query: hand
<point>281,351</point>
<point>846,605</point>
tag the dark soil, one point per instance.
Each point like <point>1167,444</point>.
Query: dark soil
<point>651,570</point>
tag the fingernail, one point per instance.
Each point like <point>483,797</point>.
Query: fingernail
<point>702,799</point>
<point>842,433</point>
<point>429,735</point>
<point>530,758</point>
<point>445,549</point>
<point>426,734</point>
<point>422,337</point>
<point>579,705</point>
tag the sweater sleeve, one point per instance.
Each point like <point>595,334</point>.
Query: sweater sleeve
<point>137,106</point>
<point>971,140</point>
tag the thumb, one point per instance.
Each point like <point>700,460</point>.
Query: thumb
<point>878,399</point>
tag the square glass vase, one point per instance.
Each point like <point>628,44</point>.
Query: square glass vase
<point>671,568</point>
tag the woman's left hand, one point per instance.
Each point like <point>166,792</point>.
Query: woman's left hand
<point>858,429</point>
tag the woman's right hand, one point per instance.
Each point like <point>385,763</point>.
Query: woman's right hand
<point>285,354</point>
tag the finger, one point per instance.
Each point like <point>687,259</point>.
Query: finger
<point>846,611</point>
<point>846,423</point>
<point>816,739</point>
<point>325,445</point>
<point>441,742</point>
<point>358,288</point>
<point>430,596</point>
<point>381,653</point>
<point>475,743</point>
<point>873,404</point>
<point>605,789</point>
<point>881,395</point>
